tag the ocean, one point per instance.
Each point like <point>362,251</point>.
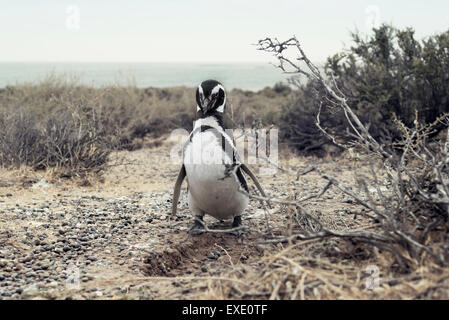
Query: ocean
<point>245,76</point>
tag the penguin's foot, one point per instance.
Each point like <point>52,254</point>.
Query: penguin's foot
<point>237,223</point>
<point>197,227</point>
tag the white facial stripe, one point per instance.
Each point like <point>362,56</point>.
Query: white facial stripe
<point>220,108</point>
<point>217,88</point>
<point>200,88</point>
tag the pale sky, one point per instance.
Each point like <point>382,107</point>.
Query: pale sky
<point>195,30</point>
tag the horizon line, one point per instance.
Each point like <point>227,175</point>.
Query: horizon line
<point>162,62</point>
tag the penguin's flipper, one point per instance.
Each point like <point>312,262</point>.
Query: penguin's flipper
<point>256,182</point>
<point>177,189</point>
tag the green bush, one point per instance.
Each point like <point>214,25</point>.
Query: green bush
<point>389,72</point>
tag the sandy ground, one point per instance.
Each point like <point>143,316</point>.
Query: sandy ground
<point>112,238</point>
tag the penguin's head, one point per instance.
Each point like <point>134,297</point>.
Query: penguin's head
<point>210,97</point>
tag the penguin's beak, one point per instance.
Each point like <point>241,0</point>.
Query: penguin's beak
<point>207,104</point>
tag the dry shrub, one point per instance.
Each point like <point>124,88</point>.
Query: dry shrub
<point>60,123</point>
<point>406,198</point>
<point>64,141</point>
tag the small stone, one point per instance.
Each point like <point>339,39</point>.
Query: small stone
<point>49,248</point>
<point>203,268</point>
<point>44,266</point>
<point>211,255</point>
<point>31,290</point>
<point>26,259</point>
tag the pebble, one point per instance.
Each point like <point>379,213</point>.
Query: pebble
<point>31,290</point>
<point>213,255</point>
<point>26,259</point>
<point>243,257</point>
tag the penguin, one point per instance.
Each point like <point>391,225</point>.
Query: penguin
<point>211,163</point>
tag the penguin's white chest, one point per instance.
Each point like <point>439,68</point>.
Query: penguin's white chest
<point>213,184</point>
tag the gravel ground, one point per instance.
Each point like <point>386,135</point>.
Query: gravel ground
<point>48,239</point>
